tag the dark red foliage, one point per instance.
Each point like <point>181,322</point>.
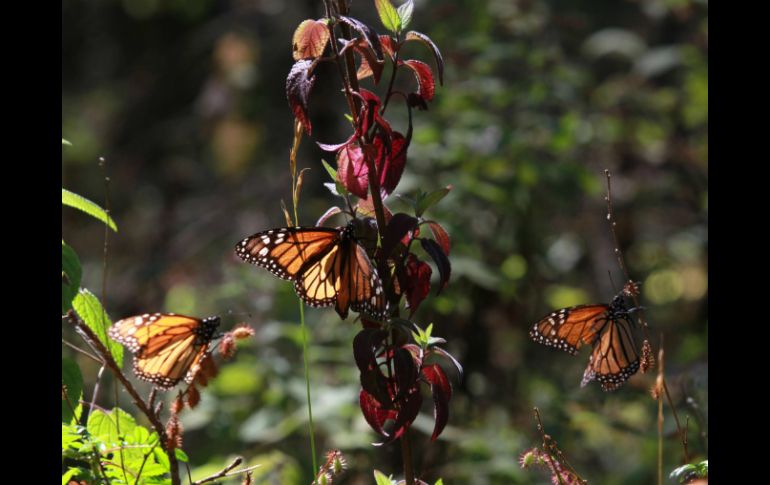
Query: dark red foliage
<point>298,86</point>
<point>417,285</point>
<point>440,258</point>
<point>442,393</point>
<point>399,226</point>
<point>374,413</point>
<point>352,170</point>
<point>424,75</point>
<point>440,235</point>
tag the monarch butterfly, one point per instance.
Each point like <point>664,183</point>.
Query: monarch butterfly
<point>607,327</point>
<point>328,266</point>
<point>167,347</point>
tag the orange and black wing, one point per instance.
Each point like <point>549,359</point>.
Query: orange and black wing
<point>614,358</point>
<point>570,328</point>
<point>318,285</point>
<point>167,347</point>
<point>361,286</point>
<point>287,252</point>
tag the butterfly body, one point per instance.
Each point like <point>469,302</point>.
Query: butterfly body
<point>328,266</point>
<point>167,347</point>
<point>607,328</point>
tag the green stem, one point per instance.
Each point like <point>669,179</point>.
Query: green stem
<point>311,426</point>
<point>307,382</point>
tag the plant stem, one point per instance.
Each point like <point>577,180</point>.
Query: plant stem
<point>307,383</point>
<point>295,199</point>
<point>406,456</point>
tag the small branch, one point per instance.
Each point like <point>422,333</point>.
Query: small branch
<point>682,431</point>
<point>619,254</point>
<point>546,447</point>
<point>226,472</point>
<point>406,456</point>
<point>94,342</point>
<point>78,349</point>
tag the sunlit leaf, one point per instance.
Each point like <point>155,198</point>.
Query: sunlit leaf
<point>79,202</point>
<point>91,312</point>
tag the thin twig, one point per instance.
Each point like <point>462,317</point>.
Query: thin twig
<point>682,431</point>
<point>96,386</point>
<point>619,255</point>
<point>86,353</point>
<point>658,386</point>
<point>93,341</point>
<point>226,472</point>
<point>546,447</point>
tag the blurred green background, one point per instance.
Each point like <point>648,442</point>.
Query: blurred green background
<point>185,100</point>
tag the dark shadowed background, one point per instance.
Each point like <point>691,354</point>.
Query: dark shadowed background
<point>186,102</point>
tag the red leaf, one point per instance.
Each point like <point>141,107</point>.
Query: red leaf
<point>398,227</point>
<point>405,372</point>
<point>298,86</point>
<point>413,35</point>
<point>364,344</point>
<point>310,39</point>
<point>440,235</point>
<point>334,148</point>
<point>424,78</point>
<point>333,210</point>
<point>369,35</point>
<point>373,412</point>
<point>352,171</point>
<point>390,162</point>
<point>410,235</point>
<point>442,262</point>
<point>386,42</point>
<point>442,393</point>
<point>370,65</point>
<point>417,284</point>
<point>410,408</point>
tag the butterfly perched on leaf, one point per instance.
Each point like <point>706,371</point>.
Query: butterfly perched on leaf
<point>329,266</point>
<point>607,328</point>
<point>167,347</point>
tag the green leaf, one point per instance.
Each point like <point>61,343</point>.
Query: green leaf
<point>381,479</point>
<point>65,142</point>
<point>71,436</point>
<point>71,274</point>
<point>428,201</point>
<point>181,455</point>
<point>161,457</point>
<point>405,13</point>
<point>388,15</point>
<point>104,425</point>
<point>67,476</point>
<point>341,190</point>
<point>90,310</point>
<point>79,202</point>
<point>439,482</point>
<point>72,380</point>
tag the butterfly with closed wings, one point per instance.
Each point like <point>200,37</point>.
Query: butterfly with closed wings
<point>328,266</point>
<point>167,347</point>
<point>607,328</point>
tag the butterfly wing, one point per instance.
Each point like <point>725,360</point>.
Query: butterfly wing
<point>167,347</point>
<point>614,358</point>
<point>288,251</point>
<point>362,285</point>
<point>327,265</point>
<point>319,283</point>
<point>569,329</point>
<point>177,361</point>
